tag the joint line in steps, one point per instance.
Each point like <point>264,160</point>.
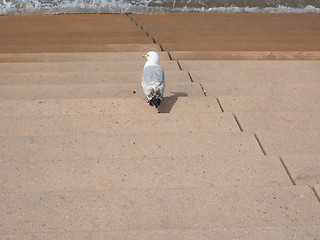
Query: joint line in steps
<point>316,194</point>
<point>142,29</point>
<point>260,144</point>
<point>287,171</point>
<point>237,121</point>
<point>221,108</point>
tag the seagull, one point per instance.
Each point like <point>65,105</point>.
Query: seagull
<point>153,79</point>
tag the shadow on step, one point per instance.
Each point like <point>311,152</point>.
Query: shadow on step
<point>168,102</point>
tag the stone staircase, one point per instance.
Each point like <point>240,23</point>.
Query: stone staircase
<point>231,153</point>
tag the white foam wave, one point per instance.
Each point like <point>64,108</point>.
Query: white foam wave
<point>125,6</point>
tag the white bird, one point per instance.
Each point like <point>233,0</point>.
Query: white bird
<point>153,83</point>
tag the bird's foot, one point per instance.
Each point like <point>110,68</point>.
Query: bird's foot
<point>145,100</point>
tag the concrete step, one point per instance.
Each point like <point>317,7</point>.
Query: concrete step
<point>215,38</point>
<point>129,90</point>
<point>303,169</point>
<point>68,40</point>
<point>61,78</point>
<point>116,124</point>
<point>155,209</point>
<point>58,23</point>
<point>109,66</point>
<point>223,233</point>
<point>240,66</point>
<point>240,46</point>
<point>317,190</point>
<point>270,103</point>
<point>111,146</point>
<point>295,142</point>
<point>262,89</point>
<point>173,104</point>
<point>245,55</point>
<point>45,48</point>
<point>275,121</point>
<point>159,173</point>
<point>229,22</point>
<point>78,57</point>
<point>255,76</point>
<point>116,32</point>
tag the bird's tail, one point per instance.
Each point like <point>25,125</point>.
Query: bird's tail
<point>155,98</point>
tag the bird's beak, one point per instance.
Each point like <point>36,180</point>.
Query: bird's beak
<point>144,56</point>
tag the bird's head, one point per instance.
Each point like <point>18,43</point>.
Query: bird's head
<point>152,57</point>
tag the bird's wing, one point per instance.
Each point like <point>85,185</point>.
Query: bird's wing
<point>153,78</point>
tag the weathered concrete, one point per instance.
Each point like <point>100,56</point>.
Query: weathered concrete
<point>224,233</point>
<point>113,168</point>
<point>176,103</point>
<point>130,90</point>
<point>296,142</point>
<point>239,46</point>
<point>78,57</point>
<point>238,66</point>
<point>262,89</point>
<point>141,173</point>
<point>115,146</point>
<point>255,76</point>
<point>92,66</point>
<point>304,169</point>
<point>130,47</point>
<point>116,124</point>
<point>49,78</point>
<point>244,55</point>
<point>276,121</point>
<point>270,103</point>
<point>114,210</point>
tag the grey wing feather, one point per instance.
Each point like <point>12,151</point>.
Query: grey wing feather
<point>153,78</point>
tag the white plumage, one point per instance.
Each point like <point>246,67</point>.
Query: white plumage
<point>153,82</point>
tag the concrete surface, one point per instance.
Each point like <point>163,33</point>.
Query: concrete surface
<point>82,157</point>
<point>304,169</point>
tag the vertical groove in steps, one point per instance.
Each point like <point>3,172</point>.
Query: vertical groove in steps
<point>147,33</point>
<point>221,108</point>
<point>260,144</point>
<point>237,121</point>
<point>316,194</point>
<point>287,171</point>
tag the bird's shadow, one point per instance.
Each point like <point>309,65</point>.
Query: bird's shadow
<point>167,103</point>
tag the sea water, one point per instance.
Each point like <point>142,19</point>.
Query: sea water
<point>142,6</point>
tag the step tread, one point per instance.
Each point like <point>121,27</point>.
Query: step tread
<point>111,66</point>
<point>116,124</point>
<point>136,173</point>
<point>130,47</point>
<point>114,146</point>
<point>304,169</point>
<point>77,56</point>
<point>245,55</point>
<point>159,209</point>
<point>129,90</point>
<point>75,78</point>
<point>255,76</point>
<point>223,233</point>
<point>177,103</point>
<point>279,121</point>
<point>250,65</point>
<point>270,103</point>
<point>262,89</point>
<point>289,142</point>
